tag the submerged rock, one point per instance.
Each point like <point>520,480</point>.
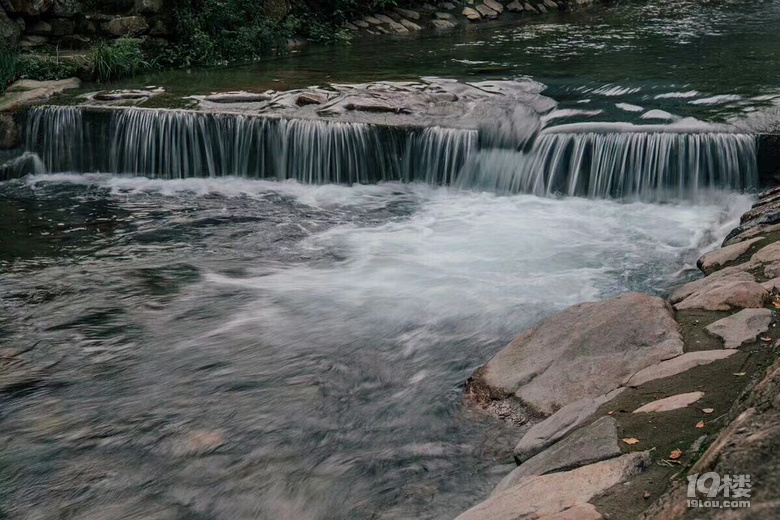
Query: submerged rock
<point>584,351</point>
<point>741,327</point>
<point>547,495</point>
<point>592,443</point>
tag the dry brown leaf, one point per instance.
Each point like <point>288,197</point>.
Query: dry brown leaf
<point>776,304</point>
<point>630,440</point>
<point>676,454</point>
<point>700,424</point>
<point>740,374</point>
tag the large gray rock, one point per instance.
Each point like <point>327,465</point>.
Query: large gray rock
<point>592,443</point>
<point>736,273</point>
<point>741,327</point>
<point>126,26</point>
<point>486,11</point>
<point>31,8</point>
<point>714,260</point>
<point>768,254</point>
<point>494,6</point>
<point>555,427</point>
<point>10,32</point>
<point>724,294</point>
<point>677,365</point>
<point>407,13</point>
<point>544,496</point>
<point>584,351</point>
<point>668,404</point>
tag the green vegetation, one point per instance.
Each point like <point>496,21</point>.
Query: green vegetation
<point>120,59</point>
<point>9,63</point>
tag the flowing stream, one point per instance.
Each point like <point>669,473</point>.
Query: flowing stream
<point>230,332</point>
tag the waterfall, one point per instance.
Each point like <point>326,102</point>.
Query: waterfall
<point>645,165</point>
<point>649,163</point>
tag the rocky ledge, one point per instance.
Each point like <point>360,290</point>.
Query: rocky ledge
<point>449,15</point>
<point>616,402</point>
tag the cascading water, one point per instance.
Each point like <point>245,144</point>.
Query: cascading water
<point>649,163</point>
<point>618,164</point>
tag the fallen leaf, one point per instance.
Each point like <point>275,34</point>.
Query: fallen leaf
<point>708,410</point>
<point>646,495</point>
<point>740,374</point>
<point>631,440</point>
<point>676,454</point>
<point>611,412</point>
<point>766,340</point>
<point>776,304</point>
<point>700,424</point>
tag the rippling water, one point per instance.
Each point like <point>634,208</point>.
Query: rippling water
<point>247,349</point>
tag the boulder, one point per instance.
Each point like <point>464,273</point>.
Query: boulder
<point>668,404</point>
<point>592,443</point>
<point>362,24</point>
<point>31,8</point>
<point>442,25</point>
<point>741,327</point>
<point>61,27</point>
<point>714,260</point>
<point>542,9</point>
<point>40,28</point>
<point>555,427</point>
<point>515,7</point>
<point>447,5</point>
<point>384,18</point>
<point>126,26</point>
<point>725,294</point>
<point>444,16</point>
<point>29,91</point>
<point>373,20</point>
<point>9,133</point>
<point>10,32</point>
<point>528,7</point>
<point>584,351</point>
<point>310,98</point>
<point>494,5</point>
<point>677,365</point>
<point>471,14</point>
<point>768,254</point>
<point>550,4</point>
<point>410,26</point>
<point>544,496</point>
<point>32,41</point>
<point>772,270</point>
<point>734,273</point>
<point>486,11</point>
<point>67,8</point>
<point>407,13</point>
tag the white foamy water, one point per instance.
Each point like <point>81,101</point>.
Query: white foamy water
<point>326,331</point>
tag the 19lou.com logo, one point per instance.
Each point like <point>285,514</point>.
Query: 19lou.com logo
<point>713,490</point>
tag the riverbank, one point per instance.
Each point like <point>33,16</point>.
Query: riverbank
<point>617,402</point>
<point>114,40</point>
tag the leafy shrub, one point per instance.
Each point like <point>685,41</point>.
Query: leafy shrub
<point>47,68</point>
<point>216,31</point>
<point>120,59</point>
<point>9,66</point>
